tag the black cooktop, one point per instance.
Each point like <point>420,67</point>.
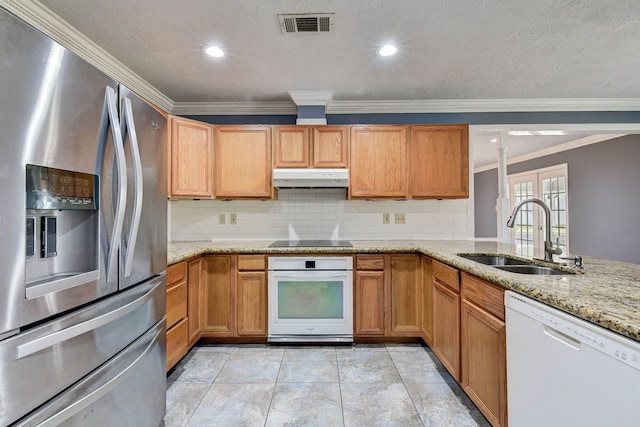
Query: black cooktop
<point>309,243</point>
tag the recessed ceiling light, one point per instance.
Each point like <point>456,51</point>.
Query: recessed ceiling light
<point>214,51</point>
<point>494,140</point>
<point>387,50</point>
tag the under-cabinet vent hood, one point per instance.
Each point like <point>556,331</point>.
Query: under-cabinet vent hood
<point>310,178</point>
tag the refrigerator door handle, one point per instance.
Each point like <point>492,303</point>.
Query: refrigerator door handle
<point>128,124</point>
<point>104,389</point>
<point>50,340</point>
<point>110,115</point>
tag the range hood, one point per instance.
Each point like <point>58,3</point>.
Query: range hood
<point>310,178</point>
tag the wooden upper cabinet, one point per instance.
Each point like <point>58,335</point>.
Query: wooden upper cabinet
<point>307,146</point>
<point>291,147</point>
<point>330,147</point>
<point>440,161</point>
<point>379,163</point>
<point>190,159</point>
<point>243,162</point>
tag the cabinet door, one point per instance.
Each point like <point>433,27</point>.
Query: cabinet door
<point>177,342</point>
<point>405,296</point>
<point>194,278</point>
<point>191,159</point>
<point>291,147</point>
<point>484,362</point>
<point>378,162</point>
<point>243,162</point>
<point>252,303</point>
<point>427,301</point>
<point>440,161</point>
<point>218,296</point>
<point>369,303</point>
<point>446,328</point>
<point>330,147</point>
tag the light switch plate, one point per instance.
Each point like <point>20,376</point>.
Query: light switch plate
<point>400,218</point>
<point>222,219</point>
<point>233,219</point>
<point>386,218</point>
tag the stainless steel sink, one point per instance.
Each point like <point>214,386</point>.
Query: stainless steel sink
<point>532,269</point>
<point>494,259</point>
<point>514,265</point>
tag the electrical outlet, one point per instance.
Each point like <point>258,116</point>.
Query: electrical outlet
<point>400,218</point>
<point>233,219</point>
<point>222,219</point>
<point>386,218</point>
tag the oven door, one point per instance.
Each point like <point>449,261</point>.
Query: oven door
<point>309,306</point>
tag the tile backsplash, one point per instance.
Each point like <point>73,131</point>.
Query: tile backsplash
<point>319,214</point>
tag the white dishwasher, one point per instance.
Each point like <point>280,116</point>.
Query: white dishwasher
<point>564,371</point>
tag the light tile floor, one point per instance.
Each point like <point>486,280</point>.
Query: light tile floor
<point>358,385</point>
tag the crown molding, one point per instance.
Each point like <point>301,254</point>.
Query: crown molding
<point>38,16</point>
<point>580,142</point>
<point>484,105</point>
<point>416,106</point>
<point>234,108</point>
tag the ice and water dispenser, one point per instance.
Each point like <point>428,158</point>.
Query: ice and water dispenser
<point>62,226</point>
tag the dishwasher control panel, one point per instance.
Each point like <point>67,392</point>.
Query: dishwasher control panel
<point>620,348</point>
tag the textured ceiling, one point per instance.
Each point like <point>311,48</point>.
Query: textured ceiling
<point>448,49</point>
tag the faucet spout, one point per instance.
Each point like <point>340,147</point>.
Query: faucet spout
<point>549,249</point>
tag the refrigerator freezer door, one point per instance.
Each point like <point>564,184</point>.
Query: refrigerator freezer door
<point>144,245</point>
<point>129,390</point>
<point>41,362</point>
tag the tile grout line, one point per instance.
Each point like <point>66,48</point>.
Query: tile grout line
<point>405,387</point>
<point>273,391</point>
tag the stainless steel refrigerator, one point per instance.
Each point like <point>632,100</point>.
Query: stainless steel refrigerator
<point>83,231</point>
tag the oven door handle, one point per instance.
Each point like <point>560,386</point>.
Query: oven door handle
<point>309,274</point>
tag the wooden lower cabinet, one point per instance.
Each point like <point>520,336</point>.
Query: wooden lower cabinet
<point>369,296</point>
<point>177,342</point>
<point>194,277</point>
<point>427,301</point>
<point>405,296</point>
<point>446,316</point>
<point>218,297</point>
<point>483,348</point>
<point>446,328</point>
<point>234,303</point>
<point>176,309</point>
<point>252,295</point>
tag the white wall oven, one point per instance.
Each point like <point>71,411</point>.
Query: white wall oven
<point>310,299</point>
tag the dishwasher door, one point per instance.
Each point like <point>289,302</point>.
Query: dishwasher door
<point>563,371</point>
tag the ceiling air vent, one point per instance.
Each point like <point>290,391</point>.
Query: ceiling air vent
<point>306,22</point>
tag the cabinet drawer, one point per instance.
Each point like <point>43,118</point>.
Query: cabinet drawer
<point>177,342</point>
<point>446,275</point>
<point>486,295</point>
<point>369,262</point>
<point>176,303</point>
<point>252,262</point>
<point>176,273</point>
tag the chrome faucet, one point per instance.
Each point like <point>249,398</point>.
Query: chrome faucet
<point>549,249</point>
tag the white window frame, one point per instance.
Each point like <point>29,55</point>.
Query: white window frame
<point>537,176</point>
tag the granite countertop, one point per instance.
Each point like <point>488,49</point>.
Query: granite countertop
<point>607,293</point>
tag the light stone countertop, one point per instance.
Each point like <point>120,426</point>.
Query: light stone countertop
<point>607,293</point>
